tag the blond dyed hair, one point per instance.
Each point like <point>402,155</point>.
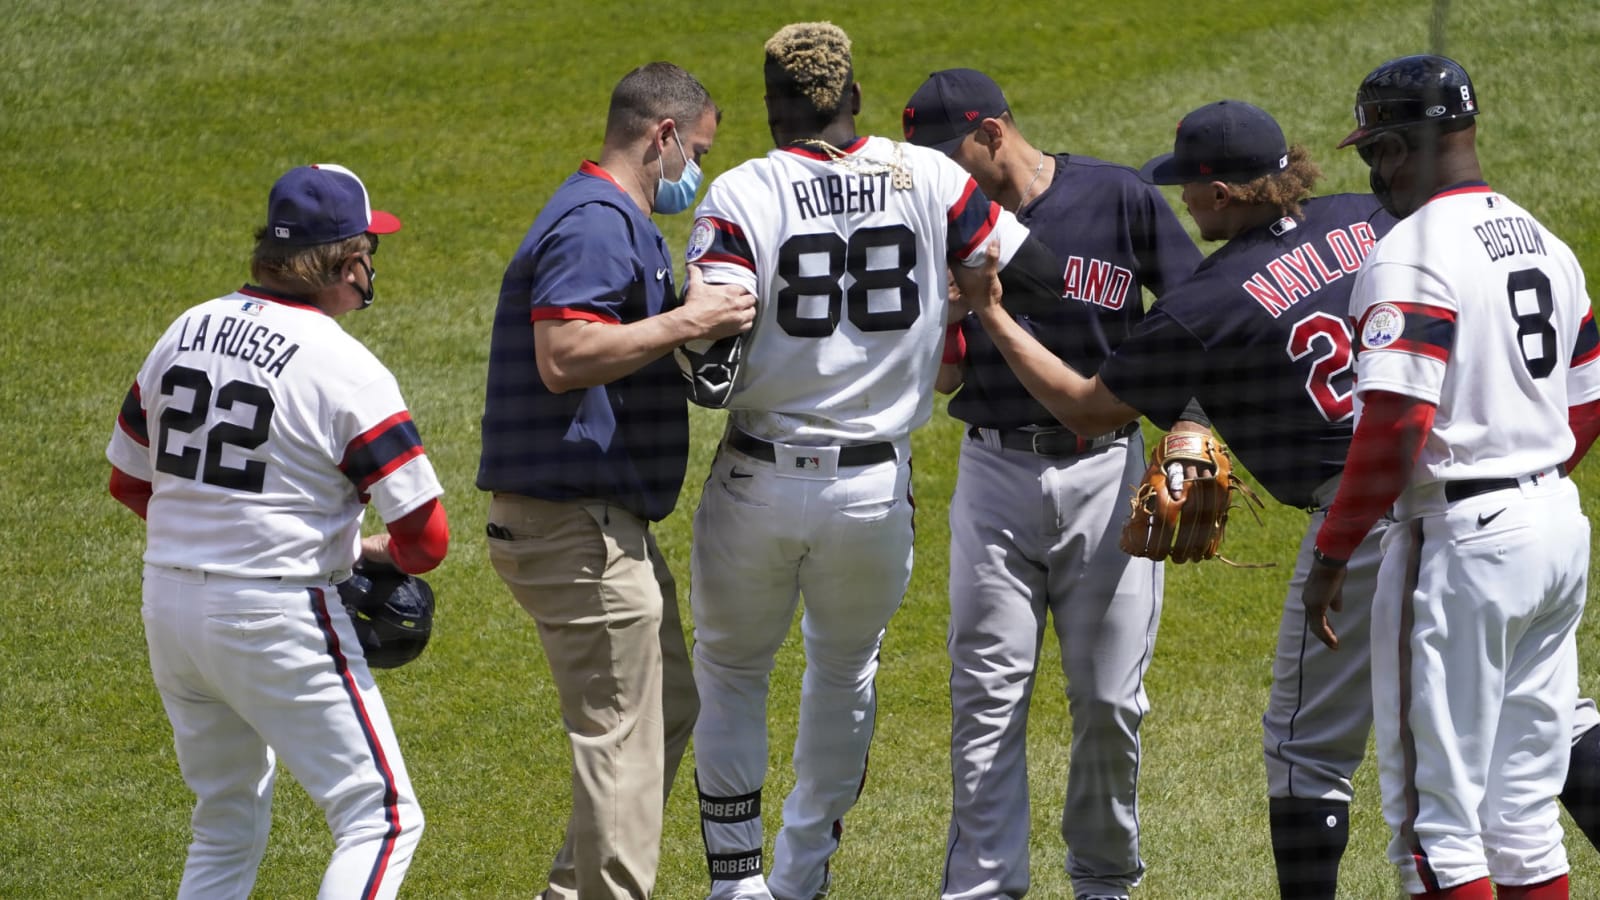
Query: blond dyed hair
<point>1284,190</point>
<point>813,61</point>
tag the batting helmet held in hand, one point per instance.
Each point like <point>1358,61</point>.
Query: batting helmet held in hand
<point>392,613</point>
<point>712,368</point>
<point>1409,91</point>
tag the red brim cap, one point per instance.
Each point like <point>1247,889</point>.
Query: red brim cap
<point>383,222</point>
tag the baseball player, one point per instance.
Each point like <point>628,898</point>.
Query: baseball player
<point>1257,336</point>
<point>1034,506</point>
<point>251,441</point>
<point>1275,375</point>
<point>845,241</point>
<point>1478,389</point>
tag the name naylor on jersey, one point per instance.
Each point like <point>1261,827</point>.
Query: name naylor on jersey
<point>1096,281</point>
<point>1303,270</point>
<point>1507,235</point>
<point>252,342</point>
<point>837,195</point>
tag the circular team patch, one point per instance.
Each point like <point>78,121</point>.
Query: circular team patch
<point>699,239</point>
<point>1384,325</point>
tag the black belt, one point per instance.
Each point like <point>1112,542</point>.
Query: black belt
<point>1472,487</point>
<point>849,455</point>
<point>1057,442</point>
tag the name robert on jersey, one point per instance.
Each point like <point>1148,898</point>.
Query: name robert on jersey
<point>239,338</point>
<point>835,195</point>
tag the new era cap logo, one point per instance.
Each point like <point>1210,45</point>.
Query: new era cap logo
<point>971,115</point>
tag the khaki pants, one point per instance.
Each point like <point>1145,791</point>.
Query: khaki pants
<point>607,611</point>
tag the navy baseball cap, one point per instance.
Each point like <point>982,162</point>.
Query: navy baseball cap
<point>321,204</point>
<point>949,106</point>
<point>1228,140</point>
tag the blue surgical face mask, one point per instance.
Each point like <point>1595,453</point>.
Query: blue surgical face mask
<point>676,196</point>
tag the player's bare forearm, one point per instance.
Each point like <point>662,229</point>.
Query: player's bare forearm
<point>949,378</point>
<point>1084,405</point>
<point>578,353</point>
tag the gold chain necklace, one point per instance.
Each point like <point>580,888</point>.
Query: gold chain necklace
<point>901,173</point>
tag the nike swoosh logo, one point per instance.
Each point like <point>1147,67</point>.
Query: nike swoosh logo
<point>735,473</point>
<point>1484,520</point>
<point>660,274</point>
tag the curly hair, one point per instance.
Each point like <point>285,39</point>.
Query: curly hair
<point>304,270</point>
<point>1283,189</point>
<point>811,60</point>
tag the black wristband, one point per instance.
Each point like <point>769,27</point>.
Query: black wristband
<point>1316,554</point>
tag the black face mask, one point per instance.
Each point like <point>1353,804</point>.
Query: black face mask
<point>367,292</point>
<point>1380,189</point>
<point>1380,186</point>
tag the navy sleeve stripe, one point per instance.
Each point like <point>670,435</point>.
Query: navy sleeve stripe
<point>972,219</point>
<point>729,245</point>
<point>1587,348</point>
<point>380,450</point>
<point>132,419</point>
<point>1428,331</point>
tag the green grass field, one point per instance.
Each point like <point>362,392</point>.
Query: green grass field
<point>138,139</point>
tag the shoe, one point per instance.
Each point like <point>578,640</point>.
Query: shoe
<point>822,892</point>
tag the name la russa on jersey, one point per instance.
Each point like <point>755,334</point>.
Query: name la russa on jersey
<point>253,342</point>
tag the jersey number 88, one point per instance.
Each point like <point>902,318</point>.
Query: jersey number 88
<point>855,257</point>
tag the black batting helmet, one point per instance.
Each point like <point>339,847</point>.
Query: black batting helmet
<point>392,613</point>
<point>1412,90</point>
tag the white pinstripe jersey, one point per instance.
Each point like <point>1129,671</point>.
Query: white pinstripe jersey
<point>1470,304</point>
<point>264,430</point>
<point>849,272</point>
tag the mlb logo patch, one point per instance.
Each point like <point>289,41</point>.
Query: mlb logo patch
<point>808,463</point>
<point>252,307</point>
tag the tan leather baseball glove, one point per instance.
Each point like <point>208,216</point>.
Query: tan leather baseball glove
<point>1189,527</point>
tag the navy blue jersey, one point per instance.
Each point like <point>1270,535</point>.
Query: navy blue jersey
<point>1114,234</point>
<point>1261,337</point>
<point>590,254</point>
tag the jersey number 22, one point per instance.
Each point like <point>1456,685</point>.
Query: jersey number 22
<point>187,463</point>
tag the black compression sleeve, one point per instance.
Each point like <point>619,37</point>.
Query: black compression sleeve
<point>1032,279</point>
